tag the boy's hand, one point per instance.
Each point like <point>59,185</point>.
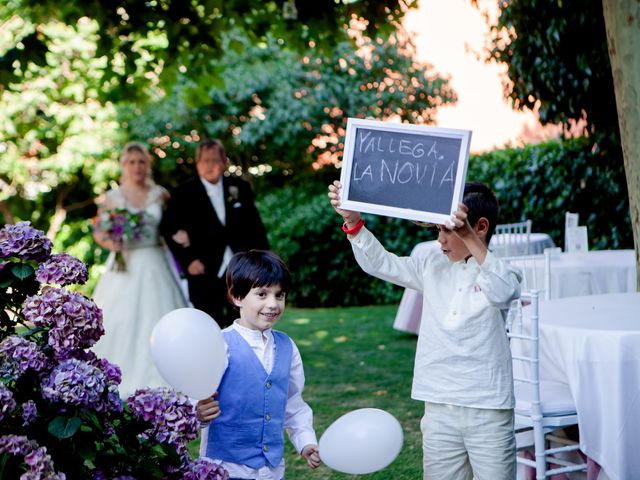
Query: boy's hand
<point>459,222</point>
<point>208,409</point>
<point>310,453</point>
<point>473,237</point>
<point>350,218</point>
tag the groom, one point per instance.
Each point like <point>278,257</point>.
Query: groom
<point>207,220</point>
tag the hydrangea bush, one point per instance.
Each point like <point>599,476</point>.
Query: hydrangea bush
<point>61,416</point>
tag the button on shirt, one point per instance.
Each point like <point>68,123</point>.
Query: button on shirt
<point>298,415</point>
<point>462,356</point>
<point>215,191</point>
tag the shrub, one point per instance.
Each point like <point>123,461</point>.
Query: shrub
<point>543,181</point>
<point>60,411</point>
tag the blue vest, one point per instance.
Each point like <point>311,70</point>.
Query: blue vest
<point>250,428</point>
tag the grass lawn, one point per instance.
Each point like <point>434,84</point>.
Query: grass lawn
<point>353,358</point>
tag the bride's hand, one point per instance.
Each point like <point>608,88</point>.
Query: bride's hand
<point>110,244</point>
<point>181,237</point>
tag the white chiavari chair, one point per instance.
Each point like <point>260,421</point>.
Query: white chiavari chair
<point>512,239</point>
<point>542,407</point>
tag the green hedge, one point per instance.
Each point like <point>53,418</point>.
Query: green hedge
<point>539,182</point>
<point>543,181</point>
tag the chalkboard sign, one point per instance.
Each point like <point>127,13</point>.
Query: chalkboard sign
<point>405,171</point>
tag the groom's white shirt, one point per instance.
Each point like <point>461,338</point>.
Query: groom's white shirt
<point>216,196</point>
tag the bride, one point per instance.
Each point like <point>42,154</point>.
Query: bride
<point>134,299</point>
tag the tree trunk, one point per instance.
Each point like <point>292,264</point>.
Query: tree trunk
<point>5,212</point>
<point>61,211</point>
<point>622,19</point>
<point>56,222</point>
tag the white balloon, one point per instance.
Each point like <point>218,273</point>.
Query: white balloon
<point>361,441</point>
<point>188,349</point>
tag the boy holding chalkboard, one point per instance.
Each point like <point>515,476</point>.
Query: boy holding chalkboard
<point>462,367</point>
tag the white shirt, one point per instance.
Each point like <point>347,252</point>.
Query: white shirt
<point>216,196</point>
<point>463,356</point>
<point>298,421</point>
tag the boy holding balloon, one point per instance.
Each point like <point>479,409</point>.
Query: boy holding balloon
<point>260,394</point>
<point>462,367</point>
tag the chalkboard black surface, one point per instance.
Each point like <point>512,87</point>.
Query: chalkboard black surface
<point>406,171</point>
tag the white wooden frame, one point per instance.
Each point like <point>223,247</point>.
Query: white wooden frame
<point>410,214</point>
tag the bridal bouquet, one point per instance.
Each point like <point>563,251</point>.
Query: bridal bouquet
<point>120,225</point>
<point>61,416</point>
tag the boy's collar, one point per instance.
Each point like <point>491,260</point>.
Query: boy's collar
<point>251,331</point>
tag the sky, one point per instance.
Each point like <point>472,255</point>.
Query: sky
<point>450,35</point>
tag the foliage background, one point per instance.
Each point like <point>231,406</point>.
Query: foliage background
<point>78,80</point>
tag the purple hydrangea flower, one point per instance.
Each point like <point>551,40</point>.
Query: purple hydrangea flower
<point>7,403</point>
<point>171,415</point>
<point>35,457</point>
<point>23,241</point>
<point>29,412</point>
<point>205,469</point>
<point>112,373</point>
<point>75,321</point>
<point>111,370</point>
<point>78,383</point>
<point>18,354</point>
<point>62,269</point>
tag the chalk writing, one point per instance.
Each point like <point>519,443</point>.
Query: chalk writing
<point>404,173</point>
<point>369,143</point>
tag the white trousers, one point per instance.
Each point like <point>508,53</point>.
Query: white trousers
<point>462,443</point>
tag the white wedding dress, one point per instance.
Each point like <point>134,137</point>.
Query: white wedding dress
<point>133,301</point>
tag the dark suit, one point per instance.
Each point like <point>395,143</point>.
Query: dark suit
<point>190,209</point>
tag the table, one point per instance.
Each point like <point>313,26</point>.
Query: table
<point>592,344</point>
<point>572,274</point>
<point>586,273</point>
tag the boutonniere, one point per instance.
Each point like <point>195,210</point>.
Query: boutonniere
<point>233,193</point>
<point>233,196</point>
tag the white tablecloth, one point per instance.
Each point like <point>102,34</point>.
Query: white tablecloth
<point>572,274</point>
<point>518,244</point>
<point>592,344</point>
<point>587,273</point>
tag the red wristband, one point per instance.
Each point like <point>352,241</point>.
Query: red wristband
<point>355,229</point>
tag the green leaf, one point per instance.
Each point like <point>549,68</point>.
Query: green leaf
<point>62,427</point>
<point>21,270</point>
<point>3,462</point>
<point>236,45</point>
<point>93,418</point>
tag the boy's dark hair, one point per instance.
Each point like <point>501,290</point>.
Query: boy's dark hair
<point>255,268</point>
<point>481,202</point>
